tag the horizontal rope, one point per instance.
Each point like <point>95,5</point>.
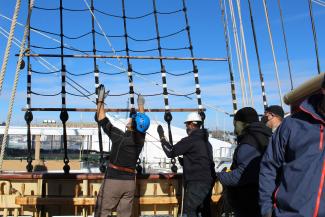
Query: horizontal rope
<point>77,37</point>
<point>155,38</point>
<point>148,95</point>
<point>175,94</point>
<point>45,9</point>
<point>79,95</point>
<point>45,48</point>
<point>111,73</point>
<point>43,94</point>
<point>137,17</point>
<point>43,31</point>
<point>121,94</point>
<point>45,73</point>
<point>79,74</point>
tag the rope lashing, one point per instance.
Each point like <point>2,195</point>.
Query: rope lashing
<point>64,114</point>
<point>102,167</point>
<point>168,116</point>
<point>257,56</point>
<point>231,74</point>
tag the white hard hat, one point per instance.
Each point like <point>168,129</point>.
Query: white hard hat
<point>193,117</point>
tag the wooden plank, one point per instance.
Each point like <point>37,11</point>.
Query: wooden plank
<point>147,200</point>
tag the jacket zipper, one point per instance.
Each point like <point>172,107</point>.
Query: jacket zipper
<point>321,184</point>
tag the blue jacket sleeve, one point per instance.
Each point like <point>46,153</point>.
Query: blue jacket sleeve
<point>247,156</point>
<point>179,148</point>
<point>270,164</point>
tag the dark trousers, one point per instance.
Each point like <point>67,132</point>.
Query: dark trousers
<point>197,199</point>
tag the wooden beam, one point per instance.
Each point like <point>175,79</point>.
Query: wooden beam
<point>110,109</point>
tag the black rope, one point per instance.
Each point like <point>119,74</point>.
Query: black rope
<point>139,17</point>
<point>155,38</point>
<point>151,73</point>
<point>78,50</point>
<point>75,10</point>
<point>130,77</point>
<point>43,94</point>
<point>179,48</point>
<point>109,36</point>
<point>258,56</point>
<point>79,74</point>
<point>170,12</point>
<point>231,74</point>
<point>79,95</point>
<point>111,73</point>
<point>285,44</point>
<point>45,73</point>
<point>314,34</point>
<point>43,31</point>
<point>28,114</point>
<point>64,116</point>
<point>77,37</point>
<point>109,51</point>
<point>89,93</point>
<point>108,14</point>
<point>180,74</point>
<point>148,95</point>
<point>45,48</point>
<point>188,94</point>
<point>81,92</point>
<point>45,9</point>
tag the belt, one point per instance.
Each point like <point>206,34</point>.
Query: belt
<point>124,169</point>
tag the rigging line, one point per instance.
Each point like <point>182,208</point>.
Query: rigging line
<point>44,94</point>
<point>229,53</point>
<point>43,31</point>
<point>285,43</point>
<point>319,2</point>
<point>45,48</point>
<point>77,37</point>
<point>110,36</point>
<point>9,42</point>
<point>155,38</point>
<point>78,95</point>
<point>80,74</point>
<point>273,53</point>
<point>111,73</point>
<point>239,55</point>
<point>75,10</point>
<point>44,73</point>
<point>314,34</point>
<point>46,9</point>
<point>257,56</point>
<point>13,93</point>
<point>123,69</point>
<point>109,51</point>
<point>245,52</point>
<point>171,12</point>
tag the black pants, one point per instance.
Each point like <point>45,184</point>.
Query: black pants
<point>197,199</point>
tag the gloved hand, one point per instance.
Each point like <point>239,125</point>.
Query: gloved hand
<point>160,131</point>
<point>141,100</point>
<point>101,93</point>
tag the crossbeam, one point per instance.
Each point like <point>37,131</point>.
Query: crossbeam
<point>126,57</point>
<point>109,109</point>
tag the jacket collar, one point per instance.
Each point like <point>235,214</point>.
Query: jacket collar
<point>309,106</point>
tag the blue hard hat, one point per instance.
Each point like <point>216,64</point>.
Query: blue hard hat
<point>142,122</point>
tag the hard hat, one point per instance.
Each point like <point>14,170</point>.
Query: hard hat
<point>142,122</point>
<point>193,117</point>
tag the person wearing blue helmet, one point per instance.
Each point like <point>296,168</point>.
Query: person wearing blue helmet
<point>118,188</point>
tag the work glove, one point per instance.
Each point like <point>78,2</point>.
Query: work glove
<point>141,100</point>
<point>101,93</point>
<point>160,131</point>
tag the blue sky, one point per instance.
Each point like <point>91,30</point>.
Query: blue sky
<point>208,41</point>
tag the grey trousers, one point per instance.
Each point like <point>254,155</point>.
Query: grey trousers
<point>117,194</point>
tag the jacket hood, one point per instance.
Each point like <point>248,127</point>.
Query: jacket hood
<point>256,134</point>
<point>309,106</point>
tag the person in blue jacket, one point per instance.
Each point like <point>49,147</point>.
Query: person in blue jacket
<point>241,183</point>
<point>293,168</point>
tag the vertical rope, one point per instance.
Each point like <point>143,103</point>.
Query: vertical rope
<point>239,55</point>
<point>28,114</point>
<point>64,116</point>
<point>273,53</point>
<point>285,44</point>
<point>195,69</point>
<point>314,34</point>
<point>96,75</point>
<point>13,93</point>
<point>245,52</point>
<point>231,74</point>
<point>9,43</point>
<point>257,56</point>
<point>130,76</point>
<point>168,116</point>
